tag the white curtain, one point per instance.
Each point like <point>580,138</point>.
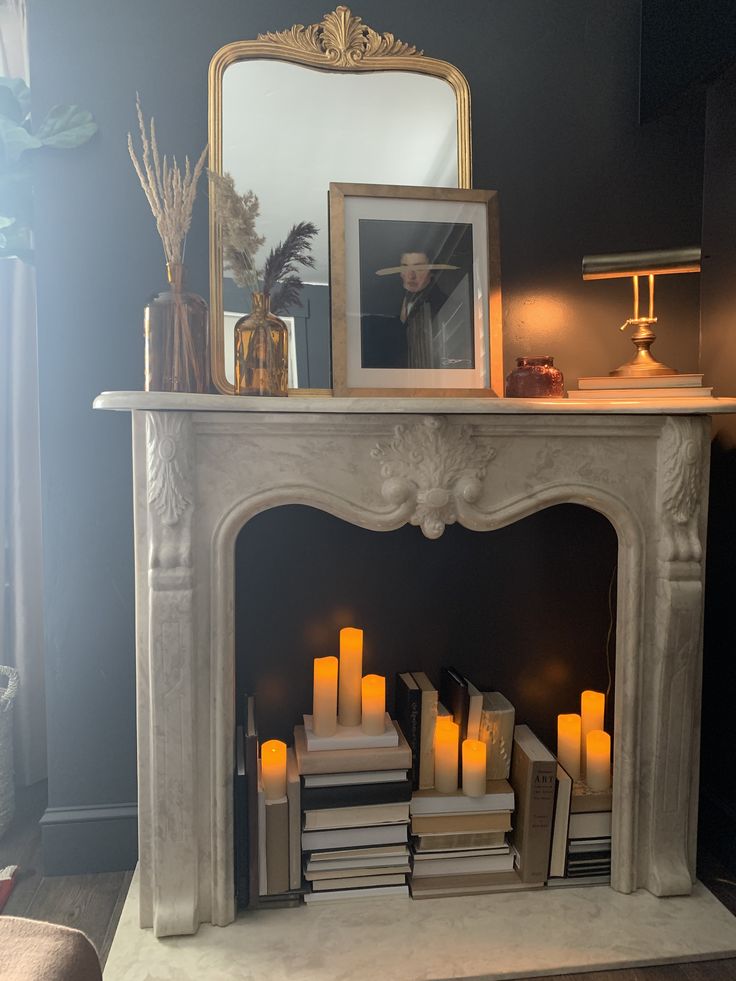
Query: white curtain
<point>21,606</point>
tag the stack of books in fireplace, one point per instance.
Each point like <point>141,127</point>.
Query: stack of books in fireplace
<point>459,843</point>
<point>355,813</point>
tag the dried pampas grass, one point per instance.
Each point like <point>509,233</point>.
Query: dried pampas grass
<point>236,219</point>
<point>170,192</point>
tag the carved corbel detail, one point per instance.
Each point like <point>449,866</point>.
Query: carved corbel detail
<point>682,488</point>
<point>168,460</point>
<point>434,467</point>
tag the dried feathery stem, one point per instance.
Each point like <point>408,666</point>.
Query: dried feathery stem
<point>236,219</point>
<point>170,193</point>
<point>281,270</point>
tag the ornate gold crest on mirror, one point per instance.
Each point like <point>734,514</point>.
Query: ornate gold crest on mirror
<point>341,102</point>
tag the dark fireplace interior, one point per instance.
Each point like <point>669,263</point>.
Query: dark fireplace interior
<point>528,610</point>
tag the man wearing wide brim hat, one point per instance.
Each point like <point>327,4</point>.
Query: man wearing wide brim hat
<point>420,304</point>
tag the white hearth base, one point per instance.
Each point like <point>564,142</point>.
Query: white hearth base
<point>513,935</point>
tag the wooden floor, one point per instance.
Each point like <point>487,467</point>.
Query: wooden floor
<point>92,903</point>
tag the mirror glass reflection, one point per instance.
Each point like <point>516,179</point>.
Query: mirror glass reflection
<point>287,131</point>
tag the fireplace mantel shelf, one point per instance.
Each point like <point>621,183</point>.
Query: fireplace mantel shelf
<point>182,402</point>
<point>203,465</point>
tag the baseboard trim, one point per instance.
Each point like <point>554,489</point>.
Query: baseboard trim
<point>89,838</point>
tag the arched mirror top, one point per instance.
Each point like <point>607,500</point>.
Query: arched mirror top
<point>379,111</point>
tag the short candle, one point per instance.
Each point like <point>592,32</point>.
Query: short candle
<point>374,704</point>
<point>474,768</point>
<point>568,743</point>
<point>351,672</point>
<point>598,755</point>
<point>592,711</point>
<point>324,714</point>
<point>446,740</point>
<point>273,769</point>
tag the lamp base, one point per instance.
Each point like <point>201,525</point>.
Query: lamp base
<point>643,364</point>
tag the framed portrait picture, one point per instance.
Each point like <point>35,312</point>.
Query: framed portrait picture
<point>415,289</point>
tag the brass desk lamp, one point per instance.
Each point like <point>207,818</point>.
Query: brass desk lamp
<point>635,264</point>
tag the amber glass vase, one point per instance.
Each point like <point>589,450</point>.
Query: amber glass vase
<point>261,351</point>
<point>177,350</point>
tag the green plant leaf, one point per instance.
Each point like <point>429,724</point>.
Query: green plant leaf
<point>66,127</point>
<point>15,99</point>
<point>14,140</point>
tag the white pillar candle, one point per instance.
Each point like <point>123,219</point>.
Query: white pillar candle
<point>273,769</point>
<point>351,672</point>
<point>446,739</point>
<point>568,743</point>
<point>598,756</point>
<point>592,711</point>
<point>324,713</point>
<point>474,768</point>
<point>374,704</point>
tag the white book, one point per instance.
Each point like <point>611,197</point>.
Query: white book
<point>373,892</point>
<point>499,796</point>
<point>497,732</point>
<point>475,707</point>
<point>363,816</point>
<point>593,824</point>
<point>463,863</point>
<point>353,779</point>
<point>262,871</point>
<point>358,871</point>
<point>360,881</point>
<point>632,394</point>
<point>350,737</point>
<point>560,821</point>
<point>384,834</point>
<point>354,854</point>
<point>650,381</point>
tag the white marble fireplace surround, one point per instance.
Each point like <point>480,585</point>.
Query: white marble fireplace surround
<point>204,465</point>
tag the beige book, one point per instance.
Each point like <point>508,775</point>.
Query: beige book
<point>533,777</point>
<point>428,720</point>
<point>293,794</point>
<point>356,871</point>
<point>364,816</point>
<point>277,846</point>
<point>422,824</point>
<point>471,884</point>
<point>351,760</point>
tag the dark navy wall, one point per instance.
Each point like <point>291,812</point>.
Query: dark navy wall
<point>555,89</point>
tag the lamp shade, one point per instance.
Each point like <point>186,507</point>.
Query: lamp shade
<point>659,262</point>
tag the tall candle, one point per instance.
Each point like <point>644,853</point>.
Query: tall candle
<point>273,769</point>
<point>324,716</point>
<point>474,768</point>
<point>568,743</point>
<point>592,710</point>
<point>374,704</point>
<point>446,740</point>
<point>351,672</point>
<point>598,755</point>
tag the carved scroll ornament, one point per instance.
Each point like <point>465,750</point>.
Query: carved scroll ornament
<point>435,465</point>
<point>341,38</point>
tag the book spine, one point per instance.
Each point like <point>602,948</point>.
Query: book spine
<point>277,846</point>
<point>407,712</point>
<point>497,732</point>
<point>240,816</point>
<point>454,695</point>
<point>293,793</point>
<point>251,776</point>
<point>537,817</point>
<point>428,721</point>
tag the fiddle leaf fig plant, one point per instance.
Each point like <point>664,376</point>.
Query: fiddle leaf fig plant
<point>63,128</point>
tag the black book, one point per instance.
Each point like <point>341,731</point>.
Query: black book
<point>250,736</point>
<point>407,712</point>
<point>455,696</point>
<point>240,813</point>
<point>352,795</point>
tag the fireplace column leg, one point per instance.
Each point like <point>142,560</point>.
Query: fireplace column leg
<point>672,688</point>
<point>172,758</point>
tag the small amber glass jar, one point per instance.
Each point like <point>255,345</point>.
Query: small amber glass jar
<point>535,378</point>
<point>261,351</point>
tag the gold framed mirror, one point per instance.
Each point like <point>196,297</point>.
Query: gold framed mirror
<point>291,111</point>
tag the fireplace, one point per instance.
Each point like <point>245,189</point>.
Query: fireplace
<point>204,465</point>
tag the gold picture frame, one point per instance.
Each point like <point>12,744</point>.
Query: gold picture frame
<point>415,291</point>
